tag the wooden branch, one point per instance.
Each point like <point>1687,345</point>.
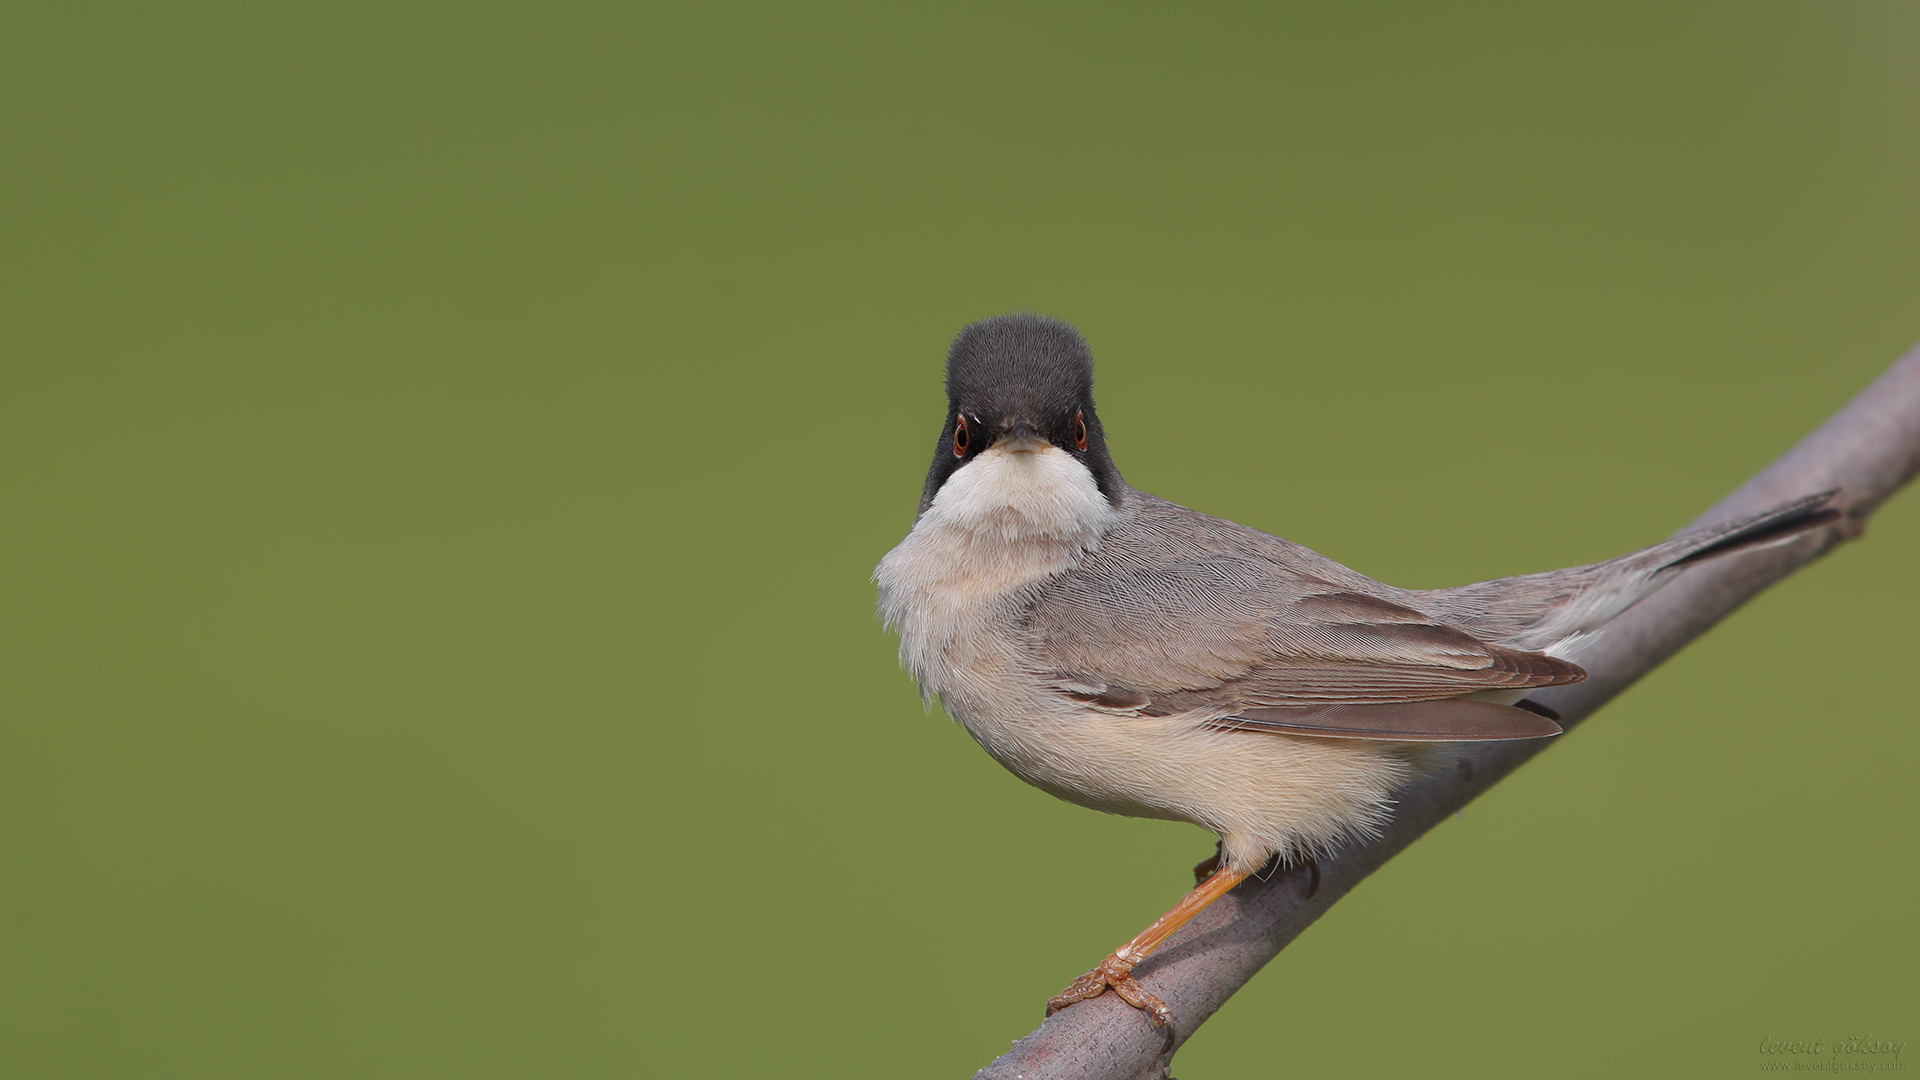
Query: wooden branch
<point>1867,450</point>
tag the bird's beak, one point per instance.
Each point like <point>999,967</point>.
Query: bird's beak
<point>1021,439</point>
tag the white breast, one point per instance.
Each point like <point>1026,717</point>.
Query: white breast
<point>1000,523</point>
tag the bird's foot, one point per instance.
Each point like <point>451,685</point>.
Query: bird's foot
<point>1113,974</point>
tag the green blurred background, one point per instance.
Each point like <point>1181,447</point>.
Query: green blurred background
<point>445,449</point>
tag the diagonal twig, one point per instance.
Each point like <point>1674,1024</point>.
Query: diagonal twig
<point>1867,451</point>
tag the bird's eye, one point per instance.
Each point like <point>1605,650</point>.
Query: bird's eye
<point>1080,431</point>
<point>960,435</point>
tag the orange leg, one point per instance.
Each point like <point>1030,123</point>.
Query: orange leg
<point>1115,971</point>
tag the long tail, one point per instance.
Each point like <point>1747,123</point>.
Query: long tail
<point>1777,524</point>
<point>1551,611</point>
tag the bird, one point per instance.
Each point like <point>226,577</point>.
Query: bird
<point>1130,655</point>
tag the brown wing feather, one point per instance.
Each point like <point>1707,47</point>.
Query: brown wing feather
<point>1454,720</point>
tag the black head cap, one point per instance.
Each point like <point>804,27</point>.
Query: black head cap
<point>1020,374</point>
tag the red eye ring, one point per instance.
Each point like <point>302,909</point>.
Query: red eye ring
<point>961,437</point>
<point>1080,431</point>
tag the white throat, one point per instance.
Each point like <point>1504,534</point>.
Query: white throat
<point>1021,496</point>
<point>1001,522</point>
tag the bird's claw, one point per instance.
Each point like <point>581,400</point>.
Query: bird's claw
<point>1113,974</point>
<point>1206,867</point>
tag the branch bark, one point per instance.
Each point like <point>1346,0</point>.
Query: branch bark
<point>1867,450</point>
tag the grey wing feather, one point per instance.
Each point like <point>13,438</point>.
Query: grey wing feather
<point>1178,612</point>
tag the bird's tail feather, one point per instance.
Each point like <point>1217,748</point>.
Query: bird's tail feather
<point>1545,611</point>
<point>1773,526</point>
